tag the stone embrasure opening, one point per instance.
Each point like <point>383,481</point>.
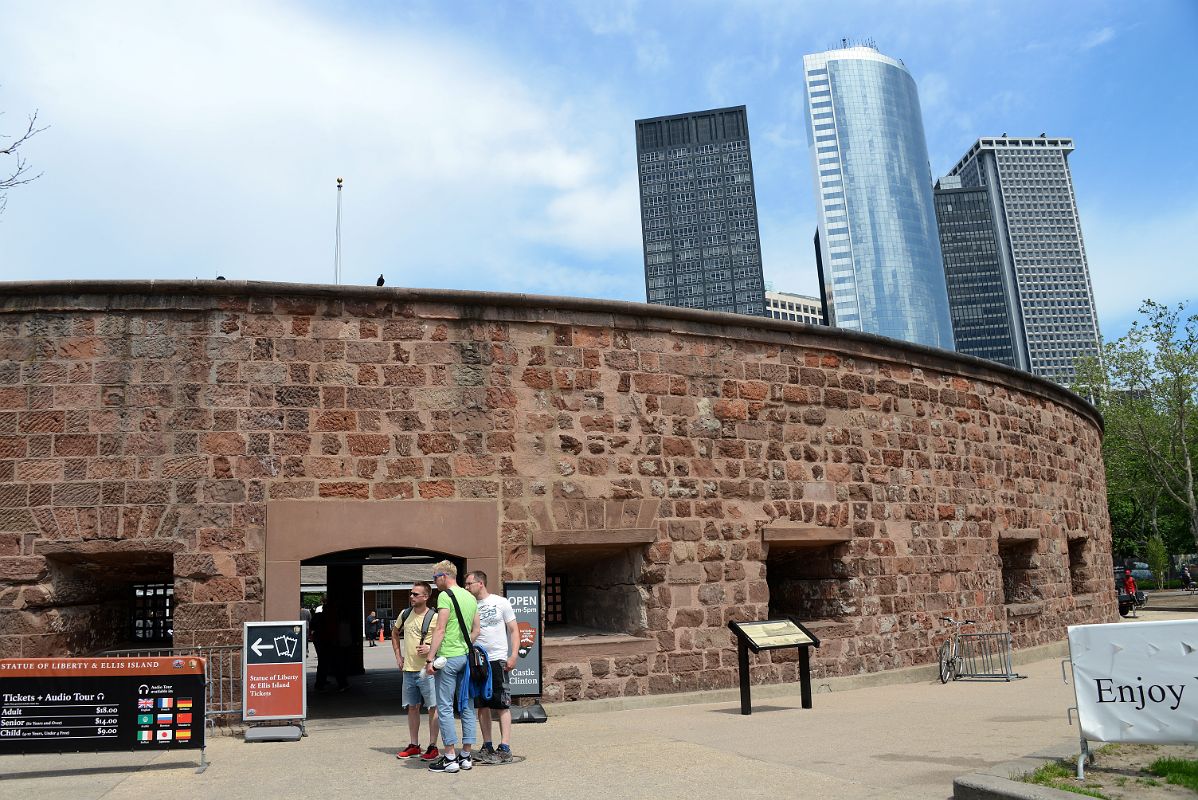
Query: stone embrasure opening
<point>1019,572</point>
<point>1079,573</point>
<point>595,591</point>
<point>809,583</point>
<point>114,602</point>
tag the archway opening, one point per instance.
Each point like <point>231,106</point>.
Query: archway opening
<point>349,585</point>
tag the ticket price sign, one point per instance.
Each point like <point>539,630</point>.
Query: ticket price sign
<point>773,634</point>
<point>272,685</point>
<point>526,678</point>
<point>92,704</point>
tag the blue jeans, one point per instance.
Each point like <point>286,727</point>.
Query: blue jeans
<point>447,684</point>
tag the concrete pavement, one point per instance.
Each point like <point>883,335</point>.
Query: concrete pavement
<point>896,742</point>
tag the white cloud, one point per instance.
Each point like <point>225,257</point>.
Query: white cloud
<point>595,220</point>
<point>1098,37</point>
<point>187,132</point>
<point>731,78</point>
<point>605,17</point>
<point>652,54</point>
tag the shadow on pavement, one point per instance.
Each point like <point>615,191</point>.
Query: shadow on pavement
<point>756,709</point>
<point>75,772</point>
<point>376,693</point>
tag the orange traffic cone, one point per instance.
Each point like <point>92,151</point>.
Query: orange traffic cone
<point>380,634</point>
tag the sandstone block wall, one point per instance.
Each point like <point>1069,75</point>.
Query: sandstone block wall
<point>684,468</point>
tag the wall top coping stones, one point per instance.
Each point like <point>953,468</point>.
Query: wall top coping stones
<point>237,296</point>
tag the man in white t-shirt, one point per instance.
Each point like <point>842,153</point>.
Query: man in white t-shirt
<point>494,631</point>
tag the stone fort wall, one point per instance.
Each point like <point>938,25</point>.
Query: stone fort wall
<point>672,470</point>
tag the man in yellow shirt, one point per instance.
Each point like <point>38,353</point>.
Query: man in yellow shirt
<point>410,635</point>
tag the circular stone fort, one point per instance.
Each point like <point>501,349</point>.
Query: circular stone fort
<point>662,470</point>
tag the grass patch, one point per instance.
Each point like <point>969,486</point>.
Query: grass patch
<point>1059,775</point>
<point>1178,771</point>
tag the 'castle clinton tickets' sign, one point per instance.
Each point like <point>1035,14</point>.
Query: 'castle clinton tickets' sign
<point>1136,682</point>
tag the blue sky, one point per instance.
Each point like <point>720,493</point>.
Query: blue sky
<point>489,145</point>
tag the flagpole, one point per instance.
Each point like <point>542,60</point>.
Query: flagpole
<point>337,246</point>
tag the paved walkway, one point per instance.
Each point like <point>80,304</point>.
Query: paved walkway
<point>903,742</point>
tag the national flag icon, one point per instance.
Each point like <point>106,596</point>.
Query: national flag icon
<point>145,719</point>
<point>183,736</point>
<point>183,704</point>
<point>145,736</point>
<point>166,702</point>
<point>145,703</point>
<point>165,719</point>
<point>165,736</point>
<point>183,718</point>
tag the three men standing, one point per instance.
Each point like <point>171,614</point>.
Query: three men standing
<point>409,636</point>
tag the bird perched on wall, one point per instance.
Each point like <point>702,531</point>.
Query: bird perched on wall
<point>379,282</point>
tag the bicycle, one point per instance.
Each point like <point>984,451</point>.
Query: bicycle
<point>950,650</point>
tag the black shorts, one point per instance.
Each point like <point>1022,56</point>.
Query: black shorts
<point>501,693</point>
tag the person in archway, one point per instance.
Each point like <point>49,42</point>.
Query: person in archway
<point>373,626</point>
<point>410,641</point>
<point>456,609</point>
<point>495,631</point>
<point>330,647</point>
<point>306,618</point>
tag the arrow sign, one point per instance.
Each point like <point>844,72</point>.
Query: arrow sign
<point>272,677</point>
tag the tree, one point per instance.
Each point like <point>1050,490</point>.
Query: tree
<point>1146,386</point>
<point>1157,556</point>
<point>16,171</point>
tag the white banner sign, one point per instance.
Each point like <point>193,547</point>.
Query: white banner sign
<point>1136,681</point>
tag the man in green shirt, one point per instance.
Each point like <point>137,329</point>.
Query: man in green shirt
<point>451,641</point>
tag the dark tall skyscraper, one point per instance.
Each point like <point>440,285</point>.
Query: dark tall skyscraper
<point>699,212</point>
<point>980,289</point>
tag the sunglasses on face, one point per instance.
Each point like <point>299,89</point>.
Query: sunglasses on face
<point>439,575</point>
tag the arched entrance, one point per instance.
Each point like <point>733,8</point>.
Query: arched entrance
<point>347,535</point>
<point>299,530</point>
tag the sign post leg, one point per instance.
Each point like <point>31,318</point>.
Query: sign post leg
<point>746,702</point>
<point>805,676</point>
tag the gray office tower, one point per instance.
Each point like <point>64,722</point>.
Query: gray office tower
<point>1038,258</point>
<point>699,212</point>
<point>879,255</point>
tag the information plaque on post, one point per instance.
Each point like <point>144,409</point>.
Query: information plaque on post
<point>773,634</point>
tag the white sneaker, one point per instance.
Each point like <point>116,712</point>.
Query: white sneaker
<point>465,761</point>
<point>443,764</point>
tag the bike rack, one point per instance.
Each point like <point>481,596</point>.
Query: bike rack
<point>985,656</point>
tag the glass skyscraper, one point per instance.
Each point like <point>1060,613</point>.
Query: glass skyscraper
<point>880,259</point>
<point>699,212</point>
<point>1039,247</point>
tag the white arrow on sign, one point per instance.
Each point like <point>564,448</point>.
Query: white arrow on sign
<point>258,647</point>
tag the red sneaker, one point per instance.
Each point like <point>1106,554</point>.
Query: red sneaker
<point>411,751</point>
<point>430,754</point>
